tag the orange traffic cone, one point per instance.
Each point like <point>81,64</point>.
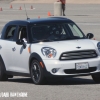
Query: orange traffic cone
<point>0,9</point>
<point>49,14</point>
<point>39,17</point>
<point>11,7</point>
<point>31,7</point>
<point>20,8</point>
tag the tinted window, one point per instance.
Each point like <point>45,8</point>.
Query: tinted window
<point>10,33</point>
<point>59,31</point>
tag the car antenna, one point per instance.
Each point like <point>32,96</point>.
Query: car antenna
<point>26,12</point>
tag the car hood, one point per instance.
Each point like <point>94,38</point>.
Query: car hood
<point>70,45</point>
<point>66,46</point>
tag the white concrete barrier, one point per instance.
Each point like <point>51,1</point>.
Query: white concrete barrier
<point>57,9</point>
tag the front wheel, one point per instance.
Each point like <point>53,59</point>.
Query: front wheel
<point>3,76</point>
<point>36,72</point>
<point>96,78</point>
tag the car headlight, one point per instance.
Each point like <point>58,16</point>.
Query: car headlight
<point>98,45</point>
<point>48,52</point>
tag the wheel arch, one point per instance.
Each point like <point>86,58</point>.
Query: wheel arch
<point>35,56</point>
<point>1,59</point>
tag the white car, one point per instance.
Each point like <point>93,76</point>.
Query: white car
<point>47,47</point>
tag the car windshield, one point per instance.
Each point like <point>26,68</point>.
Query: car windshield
<point>56,32</point>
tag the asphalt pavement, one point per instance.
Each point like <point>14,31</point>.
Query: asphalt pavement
<point>87,17</point>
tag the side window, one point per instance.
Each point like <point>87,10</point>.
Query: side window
<point>10,33</point>
<point>22,33</point>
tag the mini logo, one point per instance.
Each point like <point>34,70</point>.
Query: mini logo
<point>78,47</point>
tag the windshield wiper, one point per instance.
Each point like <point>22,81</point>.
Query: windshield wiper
<point>43,40</point>
<point>70,38</point>
<point>67,38</point>
<point>46,40</point>
<point>77,37</point>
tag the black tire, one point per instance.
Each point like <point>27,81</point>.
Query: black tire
<point>36,72</point>
<point>3,76</point>
<point>96,78</point>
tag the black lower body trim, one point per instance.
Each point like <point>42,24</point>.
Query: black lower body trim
<point>17,74</point>
<point>48,74</point>
<point>74,71</point>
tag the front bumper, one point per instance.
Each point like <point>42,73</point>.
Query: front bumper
<point>69,65</point>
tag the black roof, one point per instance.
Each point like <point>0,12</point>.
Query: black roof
<point>42,20</point>
<point>49,19</point>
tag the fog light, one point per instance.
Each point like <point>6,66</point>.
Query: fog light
<point>54,70</point>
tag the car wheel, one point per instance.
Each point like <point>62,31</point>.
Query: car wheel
<point>36,72</point>
<point>3,76</point>
<point>96,78</point>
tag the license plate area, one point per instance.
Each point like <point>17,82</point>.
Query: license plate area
<point>82,66</point>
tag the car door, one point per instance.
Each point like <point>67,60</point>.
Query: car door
<point>6,45</point>
<point>21,54</point>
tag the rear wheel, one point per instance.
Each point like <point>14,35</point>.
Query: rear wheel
<point>96,78</point>
<point>3,76</point>
<point>36,73</point>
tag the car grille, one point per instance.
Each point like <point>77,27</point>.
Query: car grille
<point>74,71</point>
<point>74,55</point>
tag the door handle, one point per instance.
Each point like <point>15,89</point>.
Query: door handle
<point>14,49</point>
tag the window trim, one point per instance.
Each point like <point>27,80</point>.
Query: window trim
<point>17,35</point>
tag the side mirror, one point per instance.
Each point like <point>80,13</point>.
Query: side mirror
<point>21,42</point>
<point>89,35</point>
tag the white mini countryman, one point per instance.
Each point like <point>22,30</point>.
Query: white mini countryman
<point>47,47</point>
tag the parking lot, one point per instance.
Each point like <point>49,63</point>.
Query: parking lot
<point>87,17</point>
